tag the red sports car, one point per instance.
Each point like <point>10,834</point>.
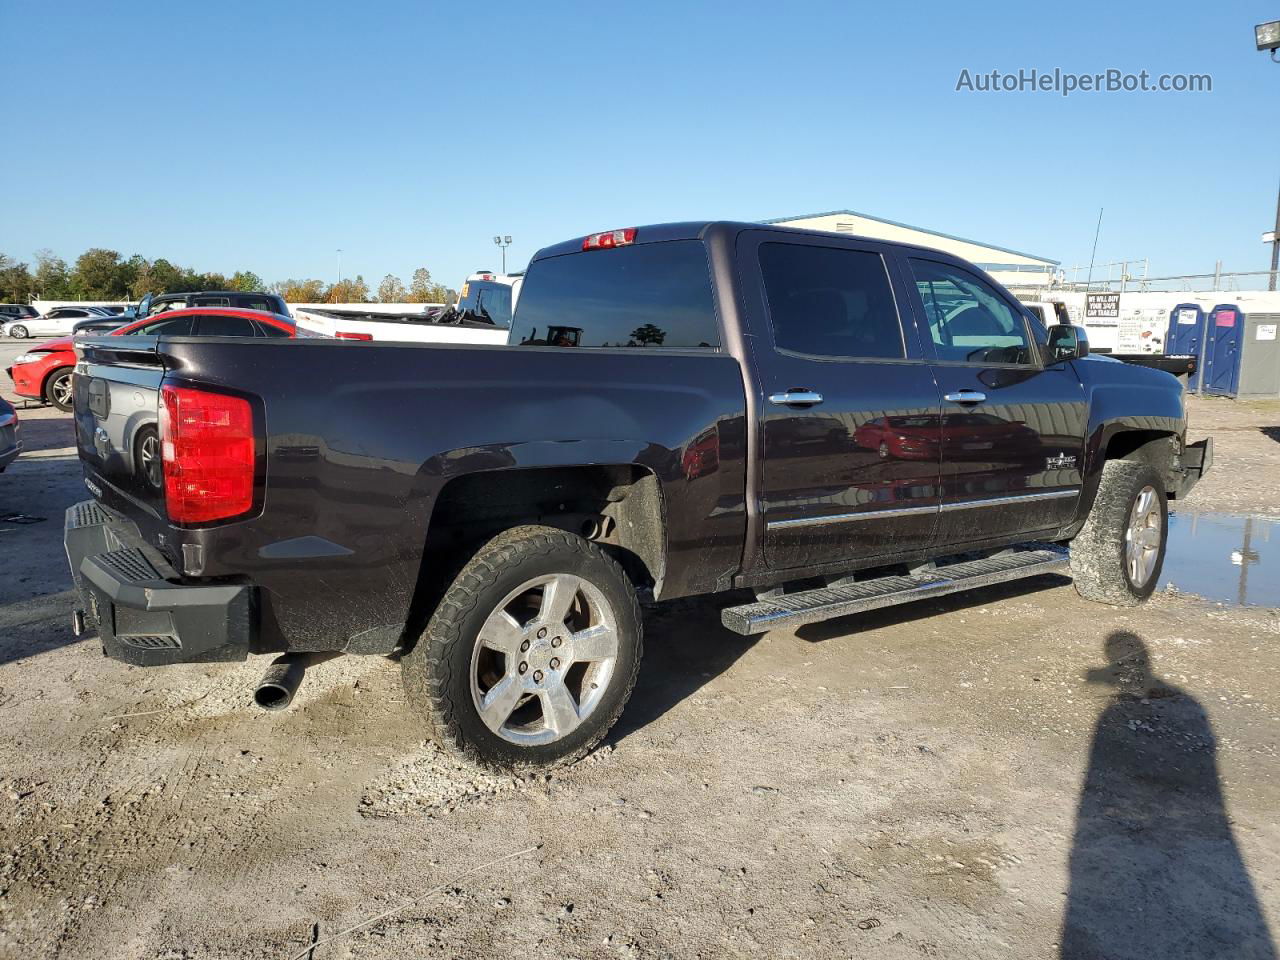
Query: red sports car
<point>969,436</point>
<point>44,371</point>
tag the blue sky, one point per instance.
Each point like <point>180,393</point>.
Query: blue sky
<point>266,135</point>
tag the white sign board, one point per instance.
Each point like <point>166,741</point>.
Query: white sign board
<point>1186,317</point>
<point>1267,331</point>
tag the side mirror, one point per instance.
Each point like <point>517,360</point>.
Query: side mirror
<point>1066,342</point>
<point>143,306</point>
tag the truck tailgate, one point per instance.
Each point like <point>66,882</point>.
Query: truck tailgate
<point>116,409</point>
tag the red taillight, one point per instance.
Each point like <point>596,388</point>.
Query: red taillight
<point>610,238</point>
<point>346,335</point>
<point>208,450</point>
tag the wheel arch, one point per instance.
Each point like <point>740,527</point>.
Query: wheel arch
<point>619,506</point>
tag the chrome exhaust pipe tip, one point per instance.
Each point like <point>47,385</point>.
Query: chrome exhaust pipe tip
<point>279,685</point>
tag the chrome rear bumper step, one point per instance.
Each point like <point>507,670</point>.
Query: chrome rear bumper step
<point>825,603</point>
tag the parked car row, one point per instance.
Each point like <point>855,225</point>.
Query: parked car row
<point>57,322</point>
<point>44,372</point>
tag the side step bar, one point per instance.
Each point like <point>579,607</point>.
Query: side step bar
<point>825,603</point>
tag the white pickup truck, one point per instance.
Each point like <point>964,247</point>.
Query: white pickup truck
<point>481,315</point>
<point>1103,338</point>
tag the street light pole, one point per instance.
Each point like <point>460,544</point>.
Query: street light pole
<point>339,265</point>
<point>503,242</point>
<point>1267,37</point>
<point>1275,248</point>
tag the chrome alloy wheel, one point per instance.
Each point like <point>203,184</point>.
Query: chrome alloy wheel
<point>60,390</point>
<point>149,460</point>
<point>544,659</point>
<point>1142,537</point>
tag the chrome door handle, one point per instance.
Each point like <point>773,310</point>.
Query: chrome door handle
<point>965,396</point>
<point>795,398</point>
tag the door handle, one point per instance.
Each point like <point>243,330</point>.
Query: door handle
<point>965,396</point>
<point>796,398</point>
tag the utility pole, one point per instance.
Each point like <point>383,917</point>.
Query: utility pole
<point>1275,247</point>
<point>339,266</point>
<point>1088,285</point>
<point>1267,37</point>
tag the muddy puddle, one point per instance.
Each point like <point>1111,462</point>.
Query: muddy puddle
<point>1225,557</point>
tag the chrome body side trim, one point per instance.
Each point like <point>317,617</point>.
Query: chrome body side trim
<point>915,511</point>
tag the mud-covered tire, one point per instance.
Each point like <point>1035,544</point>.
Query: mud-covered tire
<point>1100,565</point>
<point>57,389</point>
<point>438,672</point>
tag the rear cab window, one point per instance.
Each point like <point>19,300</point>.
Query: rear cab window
<point>654,296</point>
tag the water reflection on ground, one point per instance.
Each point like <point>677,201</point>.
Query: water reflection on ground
<point>1223,556</point>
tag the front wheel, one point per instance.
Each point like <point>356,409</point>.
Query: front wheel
<point>532,653</point>
<point>57,389</point>
<point>1117,556</point>
<point>18,332</point>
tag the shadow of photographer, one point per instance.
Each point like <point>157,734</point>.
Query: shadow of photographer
<point>1155,870</point>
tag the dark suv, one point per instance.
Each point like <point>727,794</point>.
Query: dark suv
<point>152,305</point>
<point>17,311</point>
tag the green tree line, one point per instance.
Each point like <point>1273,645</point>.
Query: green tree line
<point>100,274</point>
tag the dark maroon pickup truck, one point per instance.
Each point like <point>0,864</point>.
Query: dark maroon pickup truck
<point>836,423</point>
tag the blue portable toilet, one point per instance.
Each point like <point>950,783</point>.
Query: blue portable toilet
<point>1186,329</point>
<point>1222,353</point>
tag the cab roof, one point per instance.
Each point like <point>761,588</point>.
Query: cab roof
<point>705,229</point>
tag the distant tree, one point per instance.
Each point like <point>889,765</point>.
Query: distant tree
<point>420,287</point>
<point>156,277</point>
<point>300,291</point>
<point>423,290</point>
<point>648,333</point>
<point>246,282</point>
<point>97,275</point>
<point>52,279</point>
<point>391,290</point>
<point>348,291</point>
<point>208,281</point>
<point>16,282</point>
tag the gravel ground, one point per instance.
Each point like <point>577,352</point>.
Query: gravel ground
<point>1012,773</point>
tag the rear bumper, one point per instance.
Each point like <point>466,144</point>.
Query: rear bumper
<point>1197,460</point>
<point>128,591</point>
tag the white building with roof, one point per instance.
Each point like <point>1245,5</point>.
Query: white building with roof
<point>1020,272</point>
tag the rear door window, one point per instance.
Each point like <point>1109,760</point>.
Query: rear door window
<point>651,295</point>
<point>216,325</point>
<point>830,302</point>
<point>255,303</point>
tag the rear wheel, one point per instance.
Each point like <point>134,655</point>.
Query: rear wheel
<point>1117,556</point>
<point>57,389</point>
<point>18,332</point>
<point>532,653</point>
<point>147,458</point>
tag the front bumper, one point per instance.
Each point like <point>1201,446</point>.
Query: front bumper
<point>26,382</point>
<point>130,593</point>
<point>1196,461</point>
